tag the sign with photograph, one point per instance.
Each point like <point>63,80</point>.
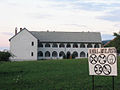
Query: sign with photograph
<point>102,61</point>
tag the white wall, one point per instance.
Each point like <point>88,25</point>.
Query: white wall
<point>21,46</point>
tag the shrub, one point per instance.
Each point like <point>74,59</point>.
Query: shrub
<point>4,56</point>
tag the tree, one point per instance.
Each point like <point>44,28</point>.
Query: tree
<point>4,56</point>
<point>115,42</point>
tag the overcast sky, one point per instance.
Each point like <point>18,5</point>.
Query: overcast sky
<point>59,15</point>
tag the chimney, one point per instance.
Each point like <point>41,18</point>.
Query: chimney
<point>20,29</point>
<point>16,31</point>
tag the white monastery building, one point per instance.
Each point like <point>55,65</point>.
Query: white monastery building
<point>36,45</point>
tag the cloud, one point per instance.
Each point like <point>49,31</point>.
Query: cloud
<point>117,25</point>
<point>107,37</point>
<point>7,33</point>
<point>88,6</point>
<point>95,6</point>
<point>113,16</point>
<point>76,25</point>
<point>40,16</point>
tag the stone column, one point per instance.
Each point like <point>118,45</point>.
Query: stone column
<point>51,45</point>
<point>65,48</point>
<point>43,54</point>
<point>43,45</point>
<point>58,45</point>
<point>86,45</point>
<point>93,45</point>
<point>100,46</point>
<point>78,45</point>
<point>71,45</point>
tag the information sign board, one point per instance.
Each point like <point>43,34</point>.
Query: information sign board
<point>102,61</point>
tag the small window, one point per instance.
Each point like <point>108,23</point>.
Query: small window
<point>68,45</point>
<point>32,43</point>
<point>40,44</point>
<point>47,45</point>
<point>96,46</point>
<point>61,45</point>
<point>55,45</point>
<point>75,45</point>
<point>82,45</point>
<point>31,53</point>
<point>89,46</point>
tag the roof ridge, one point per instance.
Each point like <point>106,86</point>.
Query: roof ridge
<point>63,32</point>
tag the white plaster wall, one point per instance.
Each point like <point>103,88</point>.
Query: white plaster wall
<point>21,46</point>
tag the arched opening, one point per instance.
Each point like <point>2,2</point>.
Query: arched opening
<point>47,45</point>
<point>82,45</point>
<point>68,45</point>
<point>40,44</point>
<point>54,54</point>
<point>62,54</point>
<point>89,46</point>
<point>96,46</point>
<point>75,45</point>
<point>82,54</point>
<point>68,55</point>
<point>47,54</point>
<point>54,45</point>
<point>40,54</point>
<point>75,54</point>
<point>61,45</point>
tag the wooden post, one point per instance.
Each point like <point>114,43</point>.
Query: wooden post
<point>92,82</point>
<point>113,82</point>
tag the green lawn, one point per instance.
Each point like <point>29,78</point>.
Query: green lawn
<point>52,75</point>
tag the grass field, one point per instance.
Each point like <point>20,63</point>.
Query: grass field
<point>52,75</point>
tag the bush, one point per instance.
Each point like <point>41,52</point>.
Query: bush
<point>4,56</point>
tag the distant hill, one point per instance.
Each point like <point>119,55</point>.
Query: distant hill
<point>105,41</point>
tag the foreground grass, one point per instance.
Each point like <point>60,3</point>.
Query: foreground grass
<point>52,75</point>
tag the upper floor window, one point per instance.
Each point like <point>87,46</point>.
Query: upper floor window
<point>61,45</point>
<point>75,45</point>
<point>55,45</point>
<point>96,46</point>
<point>82,45</point>
<point>40,44</point>
<point>32,43</point>
<point>89,46</point>
<point>47,45</point>
<point>68,45</point>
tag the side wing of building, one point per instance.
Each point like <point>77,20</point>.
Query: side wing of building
<point>59,45</point>
<point>23,46</point>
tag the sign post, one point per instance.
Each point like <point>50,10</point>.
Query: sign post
<point>113,82</point>
<point>102,61</point>
<point>93,82</point>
